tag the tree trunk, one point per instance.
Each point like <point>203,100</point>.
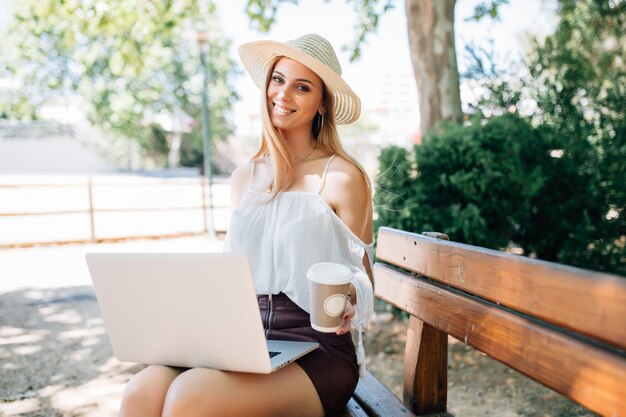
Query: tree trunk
<point>430,25</point>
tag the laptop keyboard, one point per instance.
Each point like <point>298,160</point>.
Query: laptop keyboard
<point>272,354</point>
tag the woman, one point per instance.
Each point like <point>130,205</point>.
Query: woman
<point>300,200</point>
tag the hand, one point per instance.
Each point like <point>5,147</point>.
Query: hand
<point>348,313</point>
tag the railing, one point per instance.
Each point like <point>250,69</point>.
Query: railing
<point>34,129</point>
<point>37,210</point>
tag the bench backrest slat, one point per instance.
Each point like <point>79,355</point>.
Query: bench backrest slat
<point>589,303</point>
<point>587,373</point>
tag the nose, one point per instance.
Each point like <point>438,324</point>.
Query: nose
<point>284,94</point>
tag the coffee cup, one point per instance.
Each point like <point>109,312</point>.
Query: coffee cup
<point>329,283</point>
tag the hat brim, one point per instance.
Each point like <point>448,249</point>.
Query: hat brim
<point>258,56</point>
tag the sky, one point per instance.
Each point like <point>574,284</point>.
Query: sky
<point>3,14</point>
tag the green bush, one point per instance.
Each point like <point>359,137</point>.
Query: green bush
<point>473,183</point>
<point>501,182</point>
<point>395,198</point>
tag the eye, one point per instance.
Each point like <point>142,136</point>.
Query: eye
<point>277,79</point>
<point>303,87</point>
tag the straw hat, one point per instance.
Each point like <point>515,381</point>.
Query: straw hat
<point>314,52</point>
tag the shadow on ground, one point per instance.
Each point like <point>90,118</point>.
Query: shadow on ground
<point>55,358</point>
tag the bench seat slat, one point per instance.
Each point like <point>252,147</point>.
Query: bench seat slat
<point>353,409</point>
<point>589,375</point>
<point>377,400</point>
<point>589,303</point>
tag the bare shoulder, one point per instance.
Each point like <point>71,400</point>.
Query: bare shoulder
<point>241,174</point>
<point>344,176</point>
<point>346,190</point>
<point>239,182</point>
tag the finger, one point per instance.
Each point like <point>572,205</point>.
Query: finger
<point>345,327</point>
<point>348,313</point>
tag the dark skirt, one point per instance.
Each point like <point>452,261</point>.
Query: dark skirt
<point>332,367</point>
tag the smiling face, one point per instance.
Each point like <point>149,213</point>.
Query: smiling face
<point>294,96</point>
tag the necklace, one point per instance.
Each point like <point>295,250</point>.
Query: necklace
<point>308,155</point>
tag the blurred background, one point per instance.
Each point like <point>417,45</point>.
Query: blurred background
<point>498,122</point>
<point>102,133</point>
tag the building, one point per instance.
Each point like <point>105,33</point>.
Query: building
<point>29,147</point>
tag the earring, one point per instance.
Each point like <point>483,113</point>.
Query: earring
<point>321,121</point>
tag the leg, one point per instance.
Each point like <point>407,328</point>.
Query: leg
<point>144,394</point>
<point>207,393</point>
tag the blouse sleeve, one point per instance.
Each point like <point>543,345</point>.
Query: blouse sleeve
<point>227,246</point>
<point>364,293</point>
<point>364,306</point>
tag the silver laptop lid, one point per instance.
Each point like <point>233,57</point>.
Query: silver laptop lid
<point>151,302</point>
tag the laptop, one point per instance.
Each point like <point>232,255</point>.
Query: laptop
<point>186,309</point>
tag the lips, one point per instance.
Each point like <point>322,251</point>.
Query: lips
<point>282,111</point>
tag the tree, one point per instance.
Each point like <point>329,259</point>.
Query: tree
<point>129,61</point>
<point>433,54</point>
<point>474,183</point>
<point>430,26</point>
<point>579,77</point>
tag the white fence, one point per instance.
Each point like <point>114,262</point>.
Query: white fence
<point>39,209</point>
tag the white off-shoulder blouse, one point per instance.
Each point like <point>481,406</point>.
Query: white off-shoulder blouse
<point>285,236</point>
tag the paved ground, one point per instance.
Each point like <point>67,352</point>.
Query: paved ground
<point>63,266</point>
<point>55,359</point>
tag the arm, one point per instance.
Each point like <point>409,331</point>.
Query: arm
<point>347,193</point>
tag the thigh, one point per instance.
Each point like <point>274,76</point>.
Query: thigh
<point>206,392</point>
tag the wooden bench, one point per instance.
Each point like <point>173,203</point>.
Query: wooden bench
<point>561,326</point>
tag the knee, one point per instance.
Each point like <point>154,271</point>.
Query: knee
<point>142,396</point>
<point>137,397</point>
<point>190,396</point>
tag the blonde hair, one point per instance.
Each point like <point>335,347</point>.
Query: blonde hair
<point>324,132</point>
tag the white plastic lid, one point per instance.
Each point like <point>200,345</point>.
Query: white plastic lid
<point>329,273</point>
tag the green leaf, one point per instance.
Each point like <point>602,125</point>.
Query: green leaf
<point>129,61</point>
